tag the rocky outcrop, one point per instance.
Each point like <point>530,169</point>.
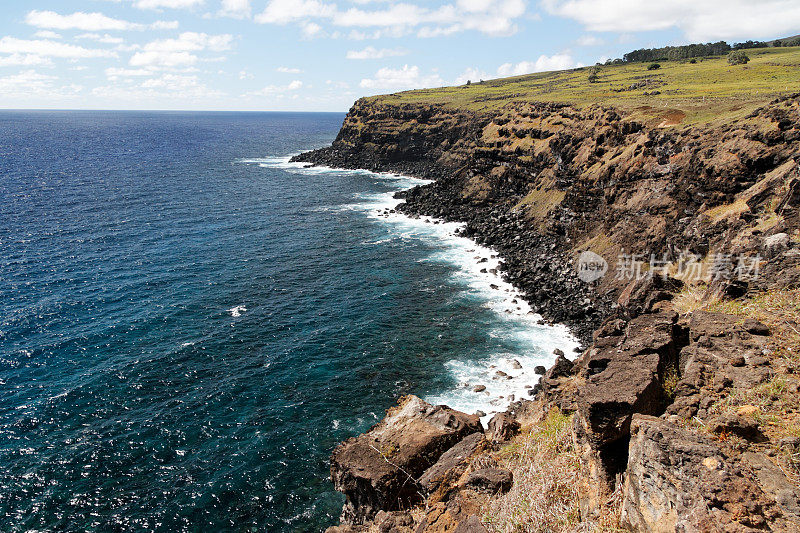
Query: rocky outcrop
<point>621,375</point>
<point>542,183</point>
<point>379,469</point>
<point>441,478</point>
<point>642,397</point>
<point>677,480</point>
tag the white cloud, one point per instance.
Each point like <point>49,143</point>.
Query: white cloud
<point>31,83</point>
<point>45,48</point>
<point>24,60</point>
<point>471,74</point>
<point>337,84</point>
<point>491,17</point>
<point>288,70</point>
<point>163,59</point>
<point>89,22</point>
<point>312,29</point>
<point>235,8</point>
<point>106,38</point>
<point>407,77</point>
<point>29,79</point>
<point>165,25</point>
<point>277,90</point>
<point>172,82</point>
<point>76,21</point>
<point>47,34</point>
<point>174,88</point>
<point>589,40</point>
<point>169,4</point>
<point>114,73</point>
<point>370,52</point>
<point>699,21</point>
<point>180,51</point>
<point>285,11</point>
<point>543,64</point>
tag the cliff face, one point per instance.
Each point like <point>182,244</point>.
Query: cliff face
<point>544,182</point>
<point>670,404</point>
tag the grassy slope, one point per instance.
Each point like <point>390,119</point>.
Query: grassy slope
<point>707,91</point>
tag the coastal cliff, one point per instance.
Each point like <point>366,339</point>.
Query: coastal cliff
<point>542,183</point>
<point>681,412</point>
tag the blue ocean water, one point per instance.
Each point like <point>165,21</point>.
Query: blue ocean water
<point>189,324</point>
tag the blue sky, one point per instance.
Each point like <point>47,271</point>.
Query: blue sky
<point>321,55</point>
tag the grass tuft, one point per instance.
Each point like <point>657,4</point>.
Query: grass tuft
<point>544,498</point>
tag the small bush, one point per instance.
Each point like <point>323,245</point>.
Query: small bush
<point>593,74</point>
<point>692,61</point>
<point>653,66</point>
<point>737,57</point>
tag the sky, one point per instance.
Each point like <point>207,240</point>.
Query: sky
<point>322,55</point>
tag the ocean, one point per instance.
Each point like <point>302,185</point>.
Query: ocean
<point>189,323</point>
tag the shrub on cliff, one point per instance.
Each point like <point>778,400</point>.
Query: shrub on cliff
<point>737,57</point>
<point>653,66</point>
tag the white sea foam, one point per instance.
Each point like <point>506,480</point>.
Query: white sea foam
<point>478,273</point>
<point>237,311</point>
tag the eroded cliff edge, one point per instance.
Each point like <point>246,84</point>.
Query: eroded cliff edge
<point>684,216</point>
<point>543,182</point>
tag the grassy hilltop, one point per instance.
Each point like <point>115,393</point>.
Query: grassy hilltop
<point>705,91</point>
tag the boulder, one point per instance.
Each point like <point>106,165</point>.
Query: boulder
<point>677,480</point>
<point>643,295</point>
<point>729,423</point>
<point>394,522</point>
<point>561,368</point>
<point>502,427</point>
<point>772,479</point>
<point>447,517</point>
<point>490,480</point>
<point>472,524</point>
<point>378,470</point>
<point>779,240</point>
<point>439,479</point>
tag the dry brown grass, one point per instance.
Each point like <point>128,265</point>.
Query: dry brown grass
<point>691,298</point>
<point>546,470</point>
<point>724,211</point>
<point>780,310</point>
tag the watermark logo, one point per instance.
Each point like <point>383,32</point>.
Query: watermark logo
<point>591,267</point>
<point>688,267</point>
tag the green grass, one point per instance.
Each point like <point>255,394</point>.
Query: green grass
<point>704,91</point>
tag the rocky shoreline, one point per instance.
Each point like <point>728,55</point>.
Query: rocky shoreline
<point>659,420</point>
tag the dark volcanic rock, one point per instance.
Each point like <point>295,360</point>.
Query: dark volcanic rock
<point>491,480</point>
